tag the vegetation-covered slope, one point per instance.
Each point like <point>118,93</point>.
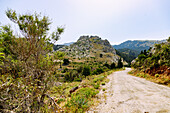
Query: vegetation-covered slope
<point>129,50</point>
<point>127,54</point>
<point>155,62</point>
<point>91,47</point>
<point>57,47</point>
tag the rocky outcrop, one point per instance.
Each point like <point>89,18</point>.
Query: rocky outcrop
<point>90,46</point>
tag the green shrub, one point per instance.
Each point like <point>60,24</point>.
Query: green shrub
<point>78,79</point>
<point>98,71</point>
<point>70,76</point>
<point>96,86</point>
<point>106,65</point>
<point>66,62</point>
<point>138,75</point>
<point>79,101</point>
<point>120,64</point>
<point>60,100</point>
<point>103,83</point>
<point>62,75</point>
<point>104,89</point>
<point>77,104</point>
<point>101,55</point>
<point>64,70</point>
<point>100,78</point>
<point>112,66</point>
<point>86,92</point>
<point>80,69</point>
<point>156,75</point>
<point>86,71</point>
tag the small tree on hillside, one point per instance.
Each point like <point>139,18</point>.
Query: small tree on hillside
<point>66,61</point>
<point>59,55</point>
<point>120,64</point>
<point>112,66</point>
<point>86,71</point>
<point>107,65</point>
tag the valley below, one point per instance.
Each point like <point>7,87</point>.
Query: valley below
<point>129,94</point>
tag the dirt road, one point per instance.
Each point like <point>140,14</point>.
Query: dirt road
<point>129,94</point>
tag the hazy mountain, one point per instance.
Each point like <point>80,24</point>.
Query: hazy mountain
<point>138,45</point>
<point>67,44</point>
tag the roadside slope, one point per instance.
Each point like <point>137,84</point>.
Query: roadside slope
<point>129,94</point>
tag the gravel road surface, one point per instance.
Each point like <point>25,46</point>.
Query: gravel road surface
<point>129,94</point>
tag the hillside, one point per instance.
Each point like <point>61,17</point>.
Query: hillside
<point>129,50</point>
<point>127,54</point>
<point>91,47</point>
<point>57,47</point>
<point>155,62</point>
<point>138,45</point>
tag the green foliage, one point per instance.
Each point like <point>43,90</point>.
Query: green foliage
<point>27,67</point>
<point>60,100</point>
<point>98,71</point>
<point>65,70</point>
<point>86,70</point>
<point>77,104</point>
<point>107,65</point>
<point>168,39</point>
<point>112,66</point>
<point>155,62</point>
<point>80,69</point>
<point>156,75</point>
<point>70,76</point>
<point>101,55</point>
<point>96,86</point>
<point>103,83</point>
<point>6,38</point>
<point>154,58</point>
<point>100,78</point>
<point>57,47</point>
<point>79,101</point>
<point>66,61</point>
<point>120,64</point>
<point>127,54</point>
<point>87,92</point>
<point>59,55</point>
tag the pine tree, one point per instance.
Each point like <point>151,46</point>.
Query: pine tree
<point>120,64</point>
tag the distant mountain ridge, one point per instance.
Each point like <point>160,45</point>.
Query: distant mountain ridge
<point>67,44</point>
<point>138,44</point>
<point>58,46</point>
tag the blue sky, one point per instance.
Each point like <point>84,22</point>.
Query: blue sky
<point>115,20</point>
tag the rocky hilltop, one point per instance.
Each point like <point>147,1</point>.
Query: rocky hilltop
<point>91,46</point>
